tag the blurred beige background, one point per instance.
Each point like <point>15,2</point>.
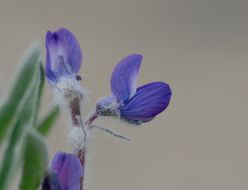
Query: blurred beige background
<point>199,47</point>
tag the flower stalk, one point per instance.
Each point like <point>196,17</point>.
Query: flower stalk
<point>77,122</point>
<point>75,112</point>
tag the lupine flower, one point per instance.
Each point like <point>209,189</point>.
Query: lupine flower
<point>135,105</point>
<point>65,173</point>
<point>64,56</point>
<point>63,62</point>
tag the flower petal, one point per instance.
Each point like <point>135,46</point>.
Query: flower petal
<point>149,100</point>
<point>124,77</point>
<point>68,169</point>
<point>64,56</point>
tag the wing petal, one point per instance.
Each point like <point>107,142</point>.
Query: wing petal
<point>149,100</point>
<point>124,77</point>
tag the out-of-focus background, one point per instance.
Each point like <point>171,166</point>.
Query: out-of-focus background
<point>200,47</point>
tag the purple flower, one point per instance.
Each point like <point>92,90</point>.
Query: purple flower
<point>135,105</point>
<point>64,56</point>
<point>65,173</point>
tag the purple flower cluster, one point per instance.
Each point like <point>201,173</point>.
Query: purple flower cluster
<point>128,102</point>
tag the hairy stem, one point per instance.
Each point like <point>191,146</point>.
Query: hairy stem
<point>75,111</point>
<point>81,154</point>
<point>76,121</point>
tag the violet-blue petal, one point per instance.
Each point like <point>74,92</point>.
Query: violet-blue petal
<point>124,77</point>
<point>149,100</point>
<point>68,169</point>
<point>64,55</point>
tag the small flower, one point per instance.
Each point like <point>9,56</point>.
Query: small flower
<point>135,105</point>
<point>64,55</point>
<point>63,62</point>
<point>65,173</point>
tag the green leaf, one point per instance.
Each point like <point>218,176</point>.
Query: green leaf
<point>25,112</point>
<point>48,121</point>
<point>35,162</point>
<point>40,93</point>
<point>23,80</point>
